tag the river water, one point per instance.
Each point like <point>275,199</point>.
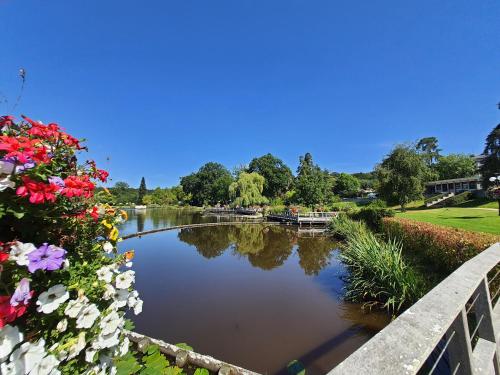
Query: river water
<point>257,296</point>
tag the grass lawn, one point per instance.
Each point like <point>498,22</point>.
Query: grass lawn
<point>476,220</point>
<point>480,203</point>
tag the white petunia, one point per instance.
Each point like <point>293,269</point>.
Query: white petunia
<point>120,298</point>
<point>19,252</point>
<point>90,355</point>
<point>75,306</point>
<point>107,247</point>
<point>135,302</point>
<point>62,325</point>
<point>124,346</point>
<point>105,274</point>
<point>77,346</point>
<point>110,323</point>
<point>28,355</point>
<point>87,316</point>
<point>47,366</point>
<point>109,292</point>
<point>124,280</point>
<point>138,306</point>
<point>5,183</point>
<point>12,368</point>
<point>9,337</point>
<point>6,167</point>
<point>107,341</point>
<point>51,299</point>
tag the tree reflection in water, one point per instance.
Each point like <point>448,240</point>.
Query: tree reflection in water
<point>265,246</point>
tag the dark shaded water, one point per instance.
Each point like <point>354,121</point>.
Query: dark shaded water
<point>257,296</point>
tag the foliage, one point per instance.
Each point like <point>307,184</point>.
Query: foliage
<point>346,185</point>
<point>366,179</point>
<point>491,163</point>
<point>401,176</point>
<point>63,284</point>
<point>458,199</point>
<point>210,185</point>
<point>447,248</point>
<point>142,191</point>
<point>278,177</point>
<point>428,149</point>
<point>313,186</point>
<point>123,194</point>
<point>343,227</point>
<point>166,197</point>
<point>247,190</point>
<point>379,275</point>
<point>373,215</point>
<point>455,166</point>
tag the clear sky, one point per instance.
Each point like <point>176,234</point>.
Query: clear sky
<point>161,87</point>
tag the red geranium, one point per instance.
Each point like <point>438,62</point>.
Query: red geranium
<point>78,186</point>
<point>6,120</point>
<point>38,192</point>
<point>24,149</point>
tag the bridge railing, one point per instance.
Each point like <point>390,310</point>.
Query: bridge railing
<point>456,327</point>
<point>317,214</point>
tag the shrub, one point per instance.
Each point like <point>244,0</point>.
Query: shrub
<point>378,273</point>
<point>344,227</point>
<point>447,248</point>
<point>458,199</point>
<point>373,215</point>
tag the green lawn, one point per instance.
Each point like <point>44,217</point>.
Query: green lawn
<point>480,203</point>
<point>476,220</point>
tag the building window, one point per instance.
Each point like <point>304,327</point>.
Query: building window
<point>465,185</point>
<point>438,188</point>
<point>458,187</point>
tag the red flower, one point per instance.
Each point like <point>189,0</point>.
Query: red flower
<point>78,186</point>
<point>38,192</point>
<point>24,149</point>
<point>102,175</point>
<point>94,213</point>
<point>6,120</point>
<point>9,313</point>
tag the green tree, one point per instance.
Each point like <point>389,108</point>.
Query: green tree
<point>455,166</point>
<point>142,191</point>
<point>210,185</point>
<point>491,162</point>
<point>278,177</point>
<point>346,185</point>
<point>428,148</point>
<point>123,193</point>
<point>247,190</point>
<point>401,176</point>
<point>313,186</point>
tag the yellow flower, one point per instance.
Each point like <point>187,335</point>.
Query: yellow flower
<point>124,214</point>
<point>113,235</point>
<point>106,224</point>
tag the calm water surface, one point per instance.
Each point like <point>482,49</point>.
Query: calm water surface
<point>257,296</point>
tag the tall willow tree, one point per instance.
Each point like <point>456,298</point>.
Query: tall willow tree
<point>247,190</point>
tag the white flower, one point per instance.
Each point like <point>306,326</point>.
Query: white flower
<point>124,346</point>
<point>105,274</point>
<point>125,279</point>
<point>110,323</point>
<point>129,264</point>
<point>107,247</point>
<point>77,347</point>
<point>90,354</point>
<point>19,252</point>
<point>51,299</point>
<point>28,355</point>
<point>107,341</point>
<point>12,368</point>
<point>62,325</point>
<point>5,183</point>
<point>138,306</point>
<point>65,264</point>
<point>120,297</point>
<point>9,337</point>
<point>47,366</point>
<point>109,292</point>
<point>87,316</point>
<point>75,306</point>
<point>6,167</point>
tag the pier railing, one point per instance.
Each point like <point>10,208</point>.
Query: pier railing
<point>453,329</point>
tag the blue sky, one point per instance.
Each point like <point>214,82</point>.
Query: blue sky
<point>161,87</point>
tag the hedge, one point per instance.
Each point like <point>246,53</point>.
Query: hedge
<point>447,248</point>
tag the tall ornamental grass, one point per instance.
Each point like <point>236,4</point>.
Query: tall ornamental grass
<point>379,276</point>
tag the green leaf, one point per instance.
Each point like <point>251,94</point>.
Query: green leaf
<point>296,368</point>
<point>127,365</point>
<point>129,325</point>
<point>201,371</point>
<point>154,364</point>
<point>184,346</point>
<point>172,370</point>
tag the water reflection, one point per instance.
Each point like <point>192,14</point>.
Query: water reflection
<point>265,246</point>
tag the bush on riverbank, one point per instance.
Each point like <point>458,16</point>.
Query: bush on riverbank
<point>379,275</point>
<point>446,248</point>
<point>373,215</point>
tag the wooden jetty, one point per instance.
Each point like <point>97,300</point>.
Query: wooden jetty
<point>308,218</point>
<point>230,211</point>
